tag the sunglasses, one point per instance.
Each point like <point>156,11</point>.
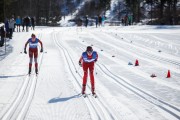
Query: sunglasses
<point>89,51</point>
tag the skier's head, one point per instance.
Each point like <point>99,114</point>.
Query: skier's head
<point>89,50</point>
<point>33,35</point>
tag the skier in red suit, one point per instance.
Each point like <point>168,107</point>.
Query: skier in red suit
<point>87,60</point>
<point>33,51</point>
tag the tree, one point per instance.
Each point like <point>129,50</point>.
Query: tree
<point>2,10</point>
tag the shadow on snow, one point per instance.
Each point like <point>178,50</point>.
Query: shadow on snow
<point>58,99</point>
<point>8,76</point>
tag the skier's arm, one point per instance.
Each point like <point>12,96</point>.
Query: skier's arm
<point>41,45</point>
<point>80,61</point>
<point>25,47</point>
<point>96,58</point>
<point>26,44</point>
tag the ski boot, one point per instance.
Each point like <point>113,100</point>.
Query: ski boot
<point>29,71</point>
<point>83,91</point>
<point>84,94</point>
<point>94,94</point>
<point>36,70</point>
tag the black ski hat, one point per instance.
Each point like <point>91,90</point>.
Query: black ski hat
<point>89,48</point>
<point>33,35</point>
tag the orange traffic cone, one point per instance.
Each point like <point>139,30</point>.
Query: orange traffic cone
<point>168,74</point>
<point>137,63</point>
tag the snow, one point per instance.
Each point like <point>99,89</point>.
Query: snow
<point>1,24</point>
<point>125,92</point>
<point>65,20</point>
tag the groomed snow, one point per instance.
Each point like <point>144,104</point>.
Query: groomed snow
<point>125,92</point>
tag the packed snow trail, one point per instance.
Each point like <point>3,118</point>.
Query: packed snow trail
<point>124,92</point>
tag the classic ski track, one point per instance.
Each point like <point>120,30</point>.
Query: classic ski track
<point>163,40</point>
<point>33,90</point>
<point>151,61</point>
<point>153,56</point>
<point>14,105</point>
<point>90,106</point>
<point>24,98</point>
<point>173,110</point>
<point>104,113</point>
<point>142,51</point>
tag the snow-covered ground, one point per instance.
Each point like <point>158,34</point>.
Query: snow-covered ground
<point>125,92</point>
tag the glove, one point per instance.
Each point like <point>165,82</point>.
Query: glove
<point>25,51</point>
<point>95,60</point>
<point>41,50</point>
<point>80,64</point>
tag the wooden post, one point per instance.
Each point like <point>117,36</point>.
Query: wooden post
<point>5,43</point>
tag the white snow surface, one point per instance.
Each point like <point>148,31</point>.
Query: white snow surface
<point>125,92</point>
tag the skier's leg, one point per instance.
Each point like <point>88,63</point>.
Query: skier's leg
<point>30,60</point>
<point>85,69</point>
<point>84,82</point>
<point>30,65</point>
<point>35,60</point>
<point>92,81</point>
<point>91,69</point>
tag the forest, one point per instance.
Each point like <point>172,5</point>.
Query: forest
<point>160,12</point>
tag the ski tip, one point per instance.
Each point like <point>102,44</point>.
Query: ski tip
<point>94,95</point>
<point>84,95</point>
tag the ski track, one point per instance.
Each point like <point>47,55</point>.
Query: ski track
<point>157,63</point>
<point>170,109</point>
<point>114,112</point>
<point>146,52</point>
<point>102,112</point>
<point>158,42</point>
<point>20,105</point>
<point>99,108</point>
<point>174,64</point>
<point>174,111</point>
<point>147,39</point>
<point>143,50</point>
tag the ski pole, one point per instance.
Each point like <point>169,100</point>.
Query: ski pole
<point>77,70</point>
<point>95,71</point>
<point>5,42</point>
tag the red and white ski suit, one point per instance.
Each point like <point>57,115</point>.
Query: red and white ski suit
<point>33,50</point>
<point>88,63</point>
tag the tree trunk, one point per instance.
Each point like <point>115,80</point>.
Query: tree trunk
<point>175,12</point>
<point>169,16</point>
<point>138,11</point>
<point>161,9</point>
<point>37,12</point>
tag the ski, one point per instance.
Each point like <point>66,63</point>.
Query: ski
<point>86,95</point>
<point>83,95</point>
<point>29,74</point>
<point>94,95</point>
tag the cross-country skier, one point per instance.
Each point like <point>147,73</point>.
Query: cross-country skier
<point>33,51</point>
<point>87,60</point>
